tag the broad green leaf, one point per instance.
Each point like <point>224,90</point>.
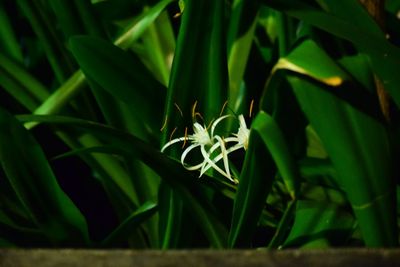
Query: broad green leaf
<point>254,185</point>
<point>319,225</point>
<point>33,180</point>
<point>315,149</point>
<point>359,68</point>
<point>353,11</point>
<point>267,151</point>
<point>123,76</point>
<point>322,68</point>
<point>274,141</point>
<point>318,171</point>
<point>279,101</point>
<point>199,70</point>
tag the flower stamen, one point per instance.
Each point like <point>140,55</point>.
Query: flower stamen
<point>164,124</point>
<point>172,133</point>
<point>185,137</point>
<point>179,109</point>
<point>223,108</point>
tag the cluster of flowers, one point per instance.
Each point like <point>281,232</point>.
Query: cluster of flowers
<point>210,143</point>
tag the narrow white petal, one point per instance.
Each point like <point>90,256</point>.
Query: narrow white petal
<point>214,125</point>
<point>224,155</point>
<point>220,156</point>
<point>174,141</point>
<point>185,153</point>
<point>218,169</point>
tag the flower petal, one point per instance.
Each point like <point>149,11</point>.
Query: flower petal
<point>216,122</point>
<point>185,153</point>
<point>174,141</point>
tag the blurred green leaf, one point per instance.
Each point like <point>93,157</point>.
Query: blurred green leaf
<point>171,210</point>
<point>142,214</point>
<point>136,28</point>
<point>123,76</point>
<point>241,33</point>
<point>319,225</point>
<point>44,28</point>
<point>8,39</point>
<point>33,180</point>
<point>19,83</point>
<point>358,146</point>
<point>358,66</point>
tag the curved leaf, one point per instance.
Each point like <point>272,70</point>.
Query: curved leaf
<point>33,180</point>
<point>254,186</point>
<point>358,146</point>
<point>142,214</point>
<point>122,75</point>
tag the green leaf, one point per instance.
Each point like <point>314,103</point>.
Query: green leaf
<point>135,29</point>
<point>384,56</point>
<point>199,75</point>
<point>122,232</point>
<point>318,225</point>
<point>9,43</point>
<point>359,148</point>
<point>170,223</point>
<point>19,83</point>
<point>199,71</point>
<point>45,30</point>
<point>190,189</point>
<point>299,61</point>
<point>241,33</point>
<point>274,141</point>
<point>254,185</point>
<point>33,180</point>
<point>267,151</point>
<point>122,75</point>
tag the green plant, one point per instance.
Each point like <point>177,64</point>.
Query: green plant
<point>283,98</point>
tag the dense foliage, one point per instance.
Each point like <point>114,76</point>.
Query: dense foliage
<point>110,110</point>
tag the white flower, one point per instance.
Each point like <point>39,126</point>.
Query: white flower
<point>241,140</point>
<point>242,137</point>
<point>201,138</point>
